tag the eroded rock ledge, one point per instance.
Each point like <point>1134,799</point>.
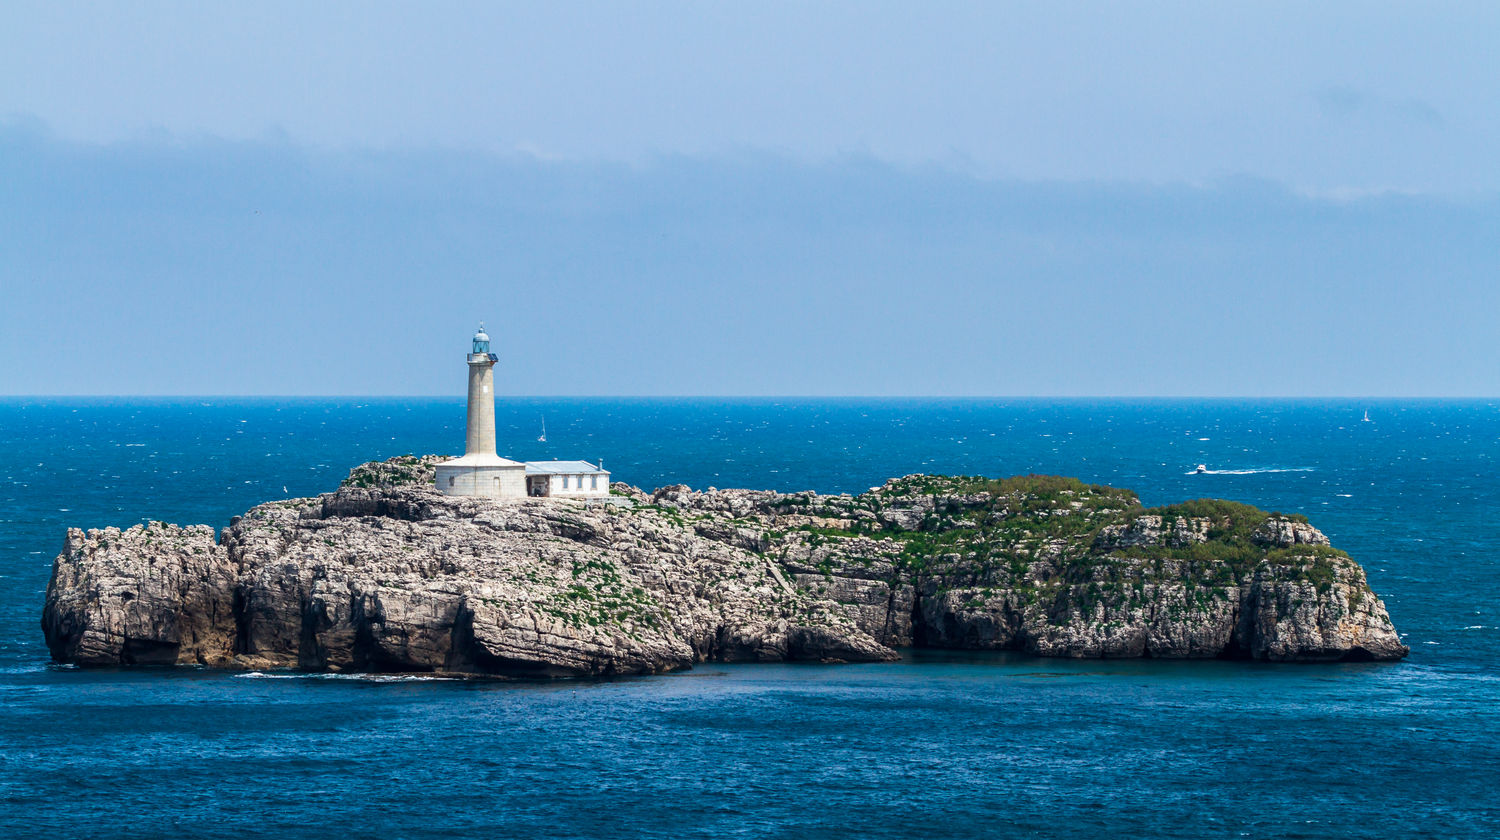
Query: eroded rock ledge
<point>386,574</point>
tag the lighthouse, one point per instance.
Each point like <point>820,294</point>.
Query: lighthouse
<point>479,438</point>
<point>481,472</point>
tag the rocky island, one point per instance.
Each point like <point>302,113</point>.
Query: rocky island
<point>387,574</point>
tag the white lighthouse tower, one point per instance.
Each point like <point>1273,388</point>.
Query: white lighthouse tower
<point>481,472</point>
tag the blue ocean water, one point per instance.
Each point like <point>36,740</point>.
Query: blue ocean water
<point>938,745</point>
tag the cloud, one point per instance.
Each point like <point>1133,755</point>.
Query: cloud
<point>1343,102</point>
<point>1417,110</point>
<point>1339,101</point>
<point>751,274</point>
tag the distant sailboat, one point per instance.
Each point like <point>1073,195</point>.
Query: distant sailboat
<point>543,438</point>
<point>1367,416</point>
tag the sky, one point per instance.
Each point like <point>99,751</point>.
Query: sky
<point>1226,199</point>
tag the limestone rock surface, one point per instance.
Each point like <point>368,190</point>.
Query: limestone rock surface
<point>386,574</point>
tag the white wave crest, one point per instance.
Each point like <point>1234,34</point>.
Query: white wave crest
<point>378,678</point>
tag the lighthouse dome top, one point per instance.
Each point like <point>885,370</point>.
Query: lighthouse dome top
<point>481,341</point>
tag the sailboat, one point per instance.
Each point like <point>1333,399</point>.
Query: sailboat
<point>1367,416</point>
<point>543,438</point>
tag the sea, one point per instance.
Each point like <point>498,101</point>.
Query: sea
<point>937,745</point>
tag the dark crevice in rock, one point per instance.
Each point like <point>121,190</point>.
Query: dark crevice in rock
<point>919,634</point>
<point>240,611</point>
<point>314,620</point>
<point>890,633</point>
<point>462,652</point>
<point>364,654</point>
<point>146,652</point>
<point>1236,647</point>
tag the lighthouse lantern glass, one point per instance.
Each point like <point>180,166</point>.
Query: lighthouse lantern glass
<point>481,342</point>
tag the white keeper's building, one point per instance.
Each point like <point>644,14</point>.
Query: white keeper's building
<point>566,478</point>
<point>481,472</point>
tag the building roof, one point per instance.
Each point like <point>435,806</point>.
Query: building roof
<point>480,461</point>
<point>558,467</point>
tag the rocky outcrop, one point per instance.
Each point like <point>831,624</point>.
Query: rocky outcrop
<point>386,574</point>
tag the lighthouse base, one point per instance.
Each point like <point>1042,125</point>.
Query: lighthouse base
<point>488,477</point>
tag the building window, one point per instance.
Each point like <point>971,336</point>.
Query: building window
<point>565,482</point>
<point>593,482</point>
<point>450,481</point>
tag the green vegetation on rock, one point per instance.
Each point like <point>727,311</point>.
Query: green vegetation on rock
<point>400,471</point>
<point>1028,534</point>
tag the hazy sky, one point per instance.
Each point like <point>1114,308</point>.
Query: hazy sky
<point>990,198</point>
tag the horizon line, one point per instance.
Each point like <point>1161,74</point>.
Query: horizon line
<point>499,396</point>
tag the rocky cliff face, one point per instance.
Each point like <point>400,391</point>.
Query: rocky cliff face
<point>386,574</point>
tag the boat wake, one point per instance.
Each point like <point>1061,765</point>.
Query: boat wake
<point>1250,471</point>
